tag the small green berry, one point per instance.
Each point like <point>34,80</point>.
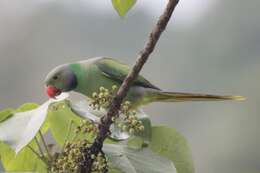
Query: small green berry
<point>94,95</point>
<point>124,127</point>
<point>131,117</point>
<point>131,131</point>
<point>101,95</point>
<point>106,94</point>
<point>120,125</point>
<point>141,128</point>
<point>113,119</point>
<point>125,107</point>
<point>134,122</point>
<point>101,89</point>
<point>127,103</point>
<point>114,87</point>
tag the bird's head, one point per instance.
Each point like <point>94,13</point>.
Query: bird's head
<point>60,79</point>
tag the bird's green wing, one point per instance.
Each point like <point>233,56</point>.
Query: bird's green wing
<point>118,71</point>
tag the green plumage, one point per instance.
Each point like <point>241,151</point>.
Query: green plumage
<point>89,75</point>
<point>106,72</point>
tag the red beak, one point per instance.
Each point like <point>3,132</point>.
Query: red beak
<point>52,91</point>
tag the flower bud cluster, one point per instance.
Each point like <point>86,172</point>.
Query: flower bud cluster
<point>100,164</point>
<point>58,105</point>
<point>72,159</point>
<point>103,98</point>
<point>130,121</point>
<point>127,119</point>
<point>86,127</point>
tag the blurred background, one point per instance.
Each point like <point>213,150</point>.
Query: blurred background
<point>210,46</point>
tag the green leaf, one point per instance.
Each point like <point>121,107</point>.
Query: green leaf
<point>123,6</point>
<point>142,138</point>
<point>5,114</point>
<point>146,134</point>
<point>30,106</point>
<point>114,170</point>
<point>45,127</point>
<point>60,118</point>
<point>1,166</point>
<point>19,130</point>
<point>26,160</point>
<point>6,154</point>
<point>12,129</point>
<point>9,112</point>
<point>171,144</point>
<point>136,142</point>
<point>26,107</point>
<point>129,160</point>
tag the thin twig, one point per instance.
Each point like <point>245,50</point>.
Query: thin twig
<point>117,100</point>
<point>45,145</point>
<point>68,134</point>
<point>39,147</point>
<point>38,155</point>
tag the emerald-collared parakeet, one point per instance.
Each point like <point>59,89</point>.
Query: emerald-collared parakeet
<point>86,77</point>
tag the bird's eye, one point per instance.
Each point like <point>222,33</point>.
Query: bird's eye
<point>55,77</point>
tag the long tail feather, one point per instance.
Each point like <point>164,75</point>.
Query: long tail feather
<point>180,97</point>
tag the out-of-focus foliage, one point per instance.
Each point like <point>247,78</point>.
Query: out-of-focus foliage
<point>171,144</point>
<point>26,107</point>
<point>129,160</point>
<point>26,160</point>
<point>5,114</point>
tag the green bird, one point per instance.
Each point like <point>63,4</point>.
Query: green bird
<point>86,77</point>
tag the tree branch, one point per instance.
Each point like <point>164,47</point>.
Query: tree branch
<point>122,92</point>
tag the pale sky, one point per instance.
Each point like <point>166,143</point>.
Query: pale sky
<point>187,13</point>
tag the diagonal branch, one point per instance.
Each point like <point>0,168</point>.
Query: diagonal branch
<point>122,92</point>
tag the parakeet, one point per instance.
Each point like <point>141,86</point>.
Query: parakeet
<point>86,77</point>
